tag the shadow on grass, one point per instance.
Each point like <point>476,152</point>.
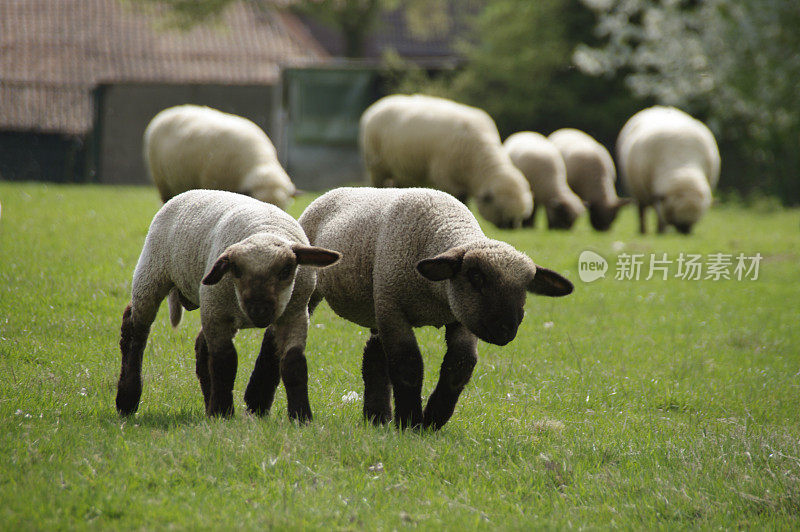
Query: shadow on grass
<point>166,419</point>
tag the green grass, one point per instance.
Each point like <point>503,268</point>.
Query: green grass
<point>635,404</point>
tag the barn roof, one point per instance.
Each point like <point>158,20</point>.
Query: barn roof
<point>54,52</point>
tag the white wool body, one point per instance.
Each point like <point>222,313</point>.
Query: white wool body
<point>193,147</point>
<point>542,164</point>
<point>590,173</point>
<point>191,232</point>
<point>426,141</point>
<point>671,161</point>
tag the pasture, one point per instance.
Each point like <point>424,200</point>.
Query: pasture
<point>631,403</point>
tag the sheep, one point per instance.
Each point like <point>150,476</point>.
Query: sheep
<point>415,257</point>
<point>245,264</point>
<point>189,146</point>
<point>670,161</point>
<point>590,174</point>
<point>541,163</point>
<point>426,141</point>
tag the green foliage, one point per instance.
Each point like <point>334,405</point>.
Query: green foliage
<point>733,63</point>
<point>629,404</point>
<point>518,68</point>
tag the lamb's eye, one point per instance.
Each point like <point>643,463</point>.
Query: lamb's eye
<point>476,278</point>
<point>286,272</point>
<point>236,271</point>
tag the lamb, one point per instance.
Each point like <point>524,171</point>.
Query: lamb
<point>541,163</point>
<point>410,258</point>
<point>188,147</point>
<point>421,140</point>
<point>245,264</point>
<point>591,174</point>
<point>670,161</point>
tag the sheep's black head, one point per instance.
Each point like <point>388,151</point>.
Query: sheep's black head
<point>262,270</point>
<point>506,202</point>
<point>487,284</point>
<point>561,214</point>
<point>601,216</point>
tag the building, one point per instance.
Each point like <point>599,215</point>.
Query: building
<point>80,79</point>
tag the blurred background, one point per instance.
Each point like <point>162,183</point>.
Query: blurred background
<point>81,79</point>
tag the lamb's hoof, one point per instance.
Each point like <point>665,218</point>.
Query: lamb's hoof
<point>256,403</point>
<point>219,409</point>
<point>377,417</point>
<point>301,416</point>
<point>128,395</point>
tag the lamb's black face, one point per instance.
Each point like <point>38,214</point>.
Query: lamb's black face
<point>263,294</point>
<point>487,285</point>
<point>488,302</point>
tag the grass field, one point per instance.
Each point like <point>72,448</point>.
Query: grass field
<point>671,404</point>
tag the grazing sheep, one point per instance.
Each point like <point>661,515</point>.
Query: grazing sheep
<point>420,140</point>
<point>189,146</point>
<point>236,259</point>
<point>543,166</point>
<point>591,174</point>
<point>671,161</point>
<point>410,258</point>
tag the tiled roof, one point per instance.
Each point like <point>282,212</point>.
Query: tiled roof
<point>53,52</point>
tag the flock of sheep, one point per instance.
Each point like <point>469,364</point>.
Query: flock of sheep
<point>389,259</point>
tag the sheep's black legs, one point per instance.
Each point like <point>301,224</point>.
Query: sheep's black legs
<point>642,218</point>
<point>260,392</point>
<point>456,371</point>
<point>222,363</point>
<point>132,343</point>
<point>377,386</point>
<point>294,372</point>
<point>531,220</point>
<point>201,367</point>
<point>662,224</point>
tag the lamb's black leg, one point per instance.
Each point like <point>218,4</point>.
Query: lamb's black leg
<point>294,372</point>
<point>456,371</point>
<point>222,362</point>
<point>201,366</point>
<point>260,392</point>
<point>133,340</point>
<point>406,373</point>
<point>377,386</point>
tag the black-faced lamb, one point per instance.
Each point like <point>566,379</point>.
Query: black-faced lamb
<point>541,163</point>
<point>418,140</point>
<point>591,174</point>
<point>190,147</point>
<point>670,161</point>
<point>410,258</point>
<point>245,264</point>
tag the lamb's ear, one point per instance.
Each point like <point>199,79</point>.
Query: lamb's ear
<point>314,256</point>
<point>549,283</point>
<point>443,266</point>
<point>220,268</point>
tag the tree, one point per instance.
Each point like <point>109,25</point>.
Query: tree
<point>517,66</point>
<point>734,63</point>
<point>353,19</point>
